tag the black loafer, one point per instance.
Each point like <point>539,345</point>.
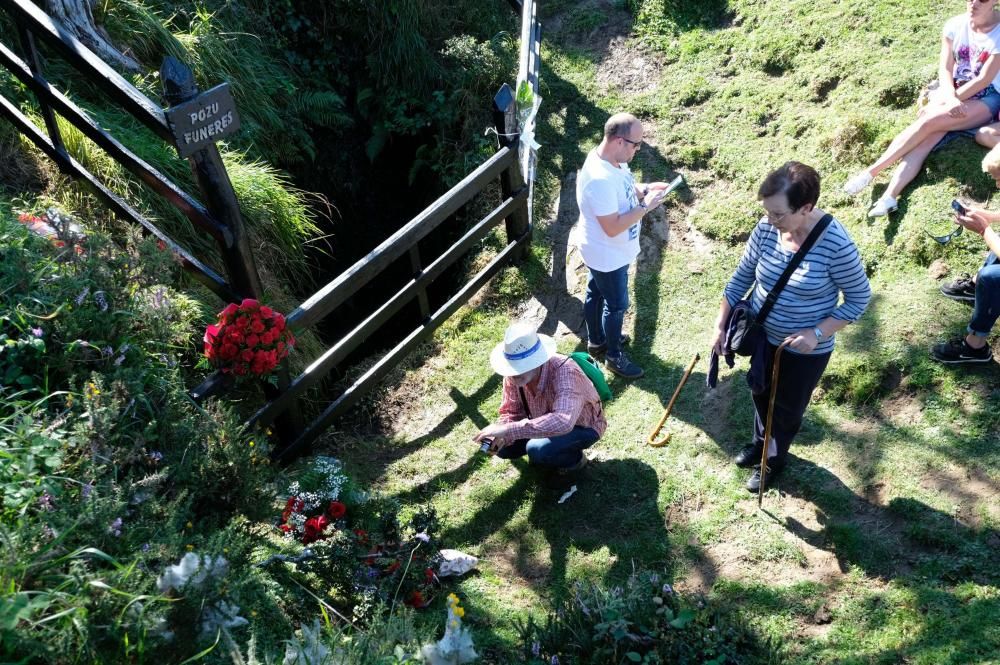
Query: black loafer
<point>753,483</point>
<point>749,456</point>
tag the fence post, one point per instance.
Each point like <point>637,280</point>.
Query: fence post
<point>220,198</point>
<point>518,223</point>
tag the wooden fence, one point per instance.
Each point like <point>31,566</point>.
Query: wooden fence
<point>221,219</point>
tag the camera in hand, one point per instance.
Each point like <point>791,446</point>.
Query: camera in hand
<point>958,207</point>
<point>486,444</point>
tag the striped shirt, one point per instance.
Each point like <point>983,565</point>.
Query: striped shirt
<point>831,268</point>
<point>561,399</point>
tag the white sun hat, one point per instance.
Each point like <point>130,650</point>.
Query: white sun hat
<point>521,350</point>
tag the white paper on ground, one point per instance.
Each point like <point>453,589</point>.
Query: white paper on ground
<point>571,492</point>
<point>454,562</point>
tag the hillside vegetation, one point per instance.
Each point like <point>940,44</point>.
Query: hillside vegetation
<point>141,527</point>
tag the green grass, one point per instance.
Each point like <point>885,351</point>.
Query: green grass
<point>888,518</point>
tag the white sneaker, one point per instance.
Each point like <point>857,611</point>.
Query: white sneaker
<point>883,207</point>
<point>854,185</point>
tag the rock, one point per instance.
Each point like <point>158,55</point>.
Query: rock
<point>938,269</point>
<point>822,615</point>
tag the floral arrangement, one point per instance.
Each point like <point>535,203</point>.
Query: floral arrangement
<point>357,543</point>
<point>313,509</point>
<point>249,338</point>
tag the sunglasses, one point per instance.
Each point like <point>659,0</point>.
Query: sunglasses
<point>635,143</point>
<point>957,231</point>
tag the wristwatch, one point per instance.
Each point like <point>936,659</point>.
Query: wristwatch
<point>818,333</point>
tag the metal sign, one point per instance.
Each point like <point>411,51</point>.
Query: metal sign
<point>200,122</point>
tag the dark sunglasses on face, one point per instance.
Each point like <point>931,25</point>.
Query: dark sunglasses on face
<point>957,231</point>
<point>634,143</point>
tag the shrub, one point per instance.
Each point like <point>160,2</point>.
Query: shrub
<point>644,621</point>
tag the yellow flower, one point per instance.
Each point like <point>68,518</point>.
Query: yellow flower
<point>452,599</point>
<point>190,548</point>
<point>225,550</point>
<point>189,525</point>
<point>251,444</point>
<point>459,612</point>
<point>253,613</point>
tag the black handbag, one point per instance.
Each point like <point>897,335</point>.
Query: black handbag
<point>744,329</point>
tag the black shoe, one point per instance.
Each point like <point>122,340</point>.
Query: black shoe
<point>597,349</point>
<point>773,471</point>
<point>962,289</point>
<point>958,352</point>
<point>749,456</point>
<point>624,367</point>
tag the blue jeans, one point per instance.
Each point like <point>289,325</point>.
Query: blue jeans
<point>561,451</point>
<point>987,308</point>
<point>604,308</point>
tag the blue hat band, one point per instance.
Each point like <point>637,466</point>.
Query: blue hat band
<point>523,354</point>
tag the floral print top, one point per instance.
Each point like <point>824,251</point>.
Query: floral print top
<point>971,49</point>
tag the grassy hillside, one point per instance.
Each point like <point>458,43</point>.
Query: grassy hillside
<point>880,544</point>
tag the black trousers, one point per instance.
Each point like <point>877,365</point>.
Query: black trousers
<point>797,378</point>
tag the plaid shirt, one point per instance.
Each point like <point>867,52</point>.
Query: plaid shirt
<point>561,399</point>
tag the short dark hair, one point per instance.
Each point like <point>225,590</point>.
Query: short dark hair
<point>798,182</point>
<point>620,124</point>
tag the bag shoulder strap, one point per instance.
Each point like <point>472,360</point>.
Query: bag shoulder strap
<point>524,403</point>
<point>772,297</point>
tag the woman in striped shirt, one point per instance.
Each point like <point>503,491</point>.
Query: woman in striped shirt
<point>806,313</point>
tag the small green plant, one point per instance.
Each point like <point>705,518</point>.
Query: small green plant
<point>645,621</point>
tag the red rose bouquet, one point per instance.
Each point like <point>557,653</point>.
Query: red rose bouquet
<point>249,338</point>
<point>313,509</point>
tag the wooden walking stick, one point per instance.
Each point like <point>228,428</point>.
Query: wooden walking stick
<point>770,420</point>
<point>666,414</point>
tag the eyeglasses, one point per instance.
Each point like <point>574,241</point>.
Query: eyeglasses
<point>772,219</point>
<point>957,231</point>
<point>636,144</point>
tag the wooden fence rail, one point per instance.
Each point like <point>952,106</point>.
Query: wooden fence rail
<point>222,221</point>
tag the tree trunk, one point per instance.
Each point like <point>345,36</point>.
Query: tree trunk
<point>77,17</point>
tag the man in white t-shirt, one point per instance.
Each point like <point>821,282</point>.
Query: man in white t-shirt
<point>611,208</point>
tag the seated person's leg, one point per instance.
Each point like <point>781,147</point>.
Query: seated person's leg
<point>563,451</point>
<point>515,449</point>
<point>987,307</point>
<point>909,167</point>
<point>988,135</point>
<point>935,119</point>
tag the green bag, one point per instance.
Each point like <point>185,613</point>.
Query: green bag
<point>594,373</point>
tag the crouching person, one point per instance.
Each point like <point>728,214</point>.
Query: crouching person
<point>550,411</point>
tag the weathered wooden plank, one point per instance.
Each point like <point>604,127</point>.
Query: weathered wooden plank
<point>71,167</point>
<point>322,366</point>
<point>351,280</point>
<point>156,181</point>
<point>91,66</point>
<point>377,372</point>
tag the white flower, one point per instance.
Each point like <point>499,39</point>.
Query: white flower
<point>309,650</point>
<point>191,569</point>
<point>220,616</point>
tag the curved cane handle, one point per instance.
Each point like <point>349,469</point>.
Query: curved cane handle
<point>651,440</point>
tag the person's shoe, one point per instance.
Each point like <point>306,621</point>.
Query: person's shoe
<point>854,185</point>
<point>962,289</point>
<point>597,349</point>
<point>749,456</point>
<point>958,352</point>
<point>773,471</point>
<point>883,207</point>
<point>565,471</point>
<point>623,367</point>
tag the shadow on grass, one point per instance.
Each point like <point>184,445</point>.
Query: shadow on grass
<point>902,539</point>
<point>614,508</point>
